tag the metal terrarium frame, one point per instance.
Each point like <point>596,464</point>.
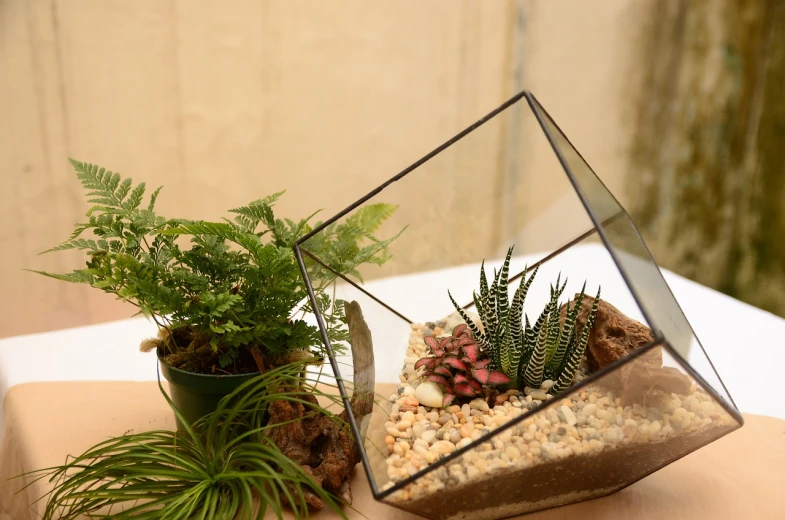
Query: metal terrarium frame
<point>670,328</point>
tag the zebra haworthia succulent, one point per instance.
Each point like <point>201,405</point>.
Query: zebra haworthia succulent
<point>528,354</point>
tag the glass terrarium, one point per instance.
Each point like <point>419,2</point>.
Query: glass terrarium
<point>528,352</point>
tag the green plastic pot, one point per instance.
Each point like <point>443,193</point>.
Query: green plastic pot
<point>196,395</point>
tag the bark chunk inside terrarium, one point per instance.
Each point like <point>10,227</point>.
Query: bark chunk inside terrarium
<point>586,443</point>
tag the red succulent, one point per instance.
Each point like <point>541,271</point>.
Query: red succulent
<point>458,366</point>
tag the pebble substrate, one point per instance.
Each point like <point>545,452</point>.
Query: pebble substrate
<point>589,422</point>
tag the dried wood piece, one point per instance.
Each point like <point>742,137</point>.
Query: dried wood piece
<point>614,335</point>
<point>323,446</point>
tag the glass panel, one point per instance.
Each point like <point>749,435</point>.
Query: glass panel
<point>592,442</point>
<point>662,310</point>
<point>398,345</point>
<point>497,185</point>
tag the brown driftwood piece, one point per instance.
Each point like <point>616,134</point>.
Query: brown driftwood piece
<point>615,336</point>
<point>324,446</point>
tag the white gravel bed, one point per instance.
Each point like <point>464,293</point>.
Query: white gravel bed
<point>587,422</point>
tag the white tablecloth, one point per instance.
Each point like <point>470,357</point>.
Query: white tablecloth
<point>745,344</point>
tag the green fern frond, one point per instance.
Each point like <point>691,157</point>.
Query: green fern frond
<point>256,213</point>
<point>249,241</point>
<point>370,218</point>
<point>79,276</point>
<point>122,189</point>
<point>153,199</point>
<point>227,296</point>
<point>76,243</point>
<point>104,186</point>
<point>135,199</point>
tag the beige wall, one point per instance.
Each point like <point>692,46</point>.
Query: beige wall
<point>223,105</point>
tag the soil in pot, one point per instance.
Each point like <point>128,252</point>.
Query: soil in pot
<point>185,352</point>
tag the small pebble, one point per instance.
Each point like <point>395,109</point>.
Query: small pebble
<point>569,416</point>
<point>429,394</point>
<point>429,436</point>
<point>403,426</point>
<point>479,404</point>
<point>443,447</point>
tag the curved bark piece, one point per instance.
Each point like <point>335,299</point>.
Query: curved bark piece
<point>322,445</point>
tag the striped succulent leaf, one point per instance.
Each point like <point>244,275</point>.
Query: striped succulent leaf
<point>491,322</point>
<point>553,326</point>
<point>554,321</point>
<point>470,323</point>
<point>535,368</point>
<point>491,302</point>
<point>483,283</point>
<point>528,346</point>
<point>522,352</point>
<point>568,374</point>
<point>539,325</point>
<point>502,296</point>
<point>505,351</point>
<point>516,350</point>
<point>565,336</point>
<point>516,311</point>
<point>481,337</point>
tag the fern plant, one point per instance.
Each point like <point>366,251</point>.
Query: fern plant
<point>234,290</point>
<point>528,354</point>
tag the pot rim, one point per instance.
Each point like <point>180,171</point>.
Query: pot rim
<point>186,374</point>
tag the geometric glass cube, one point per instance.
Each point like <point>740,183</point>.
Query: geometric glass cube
<point>513,178</point>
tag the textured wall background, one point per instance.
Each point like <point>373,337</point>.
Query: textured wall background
<point>708,150</point>
<point>224,105</point>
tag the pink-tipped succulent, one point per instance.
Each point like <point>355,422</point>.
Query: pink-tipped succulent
<point>457,365</point>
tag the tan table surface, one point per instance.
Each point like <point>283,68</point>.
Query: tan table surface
<point>739,476</point>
